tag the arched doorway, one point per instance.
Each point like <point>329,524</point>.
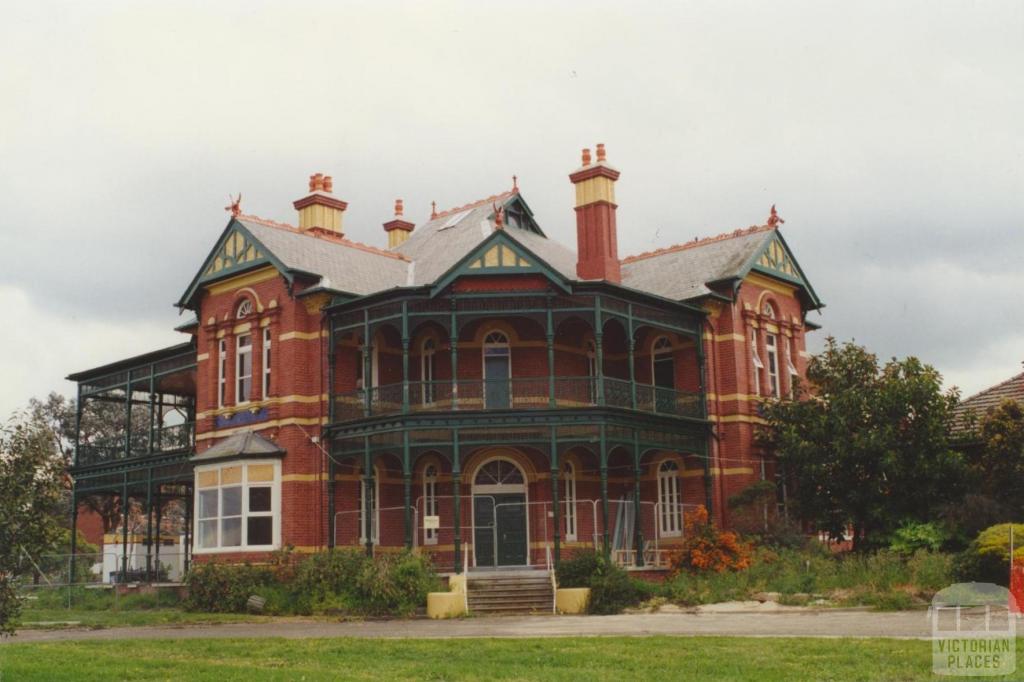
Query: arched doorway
<point>500,530</point>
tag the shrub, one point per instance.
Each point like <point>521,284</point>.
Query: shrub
<point>913,536</point>
<point>612,590</point>
<point>577,570</point>
<point>987,558</point>
<point>707,549</point>
<point>395,584</point>
<point>224,588</point>
<point>329,573</point>
<point>930,571</point>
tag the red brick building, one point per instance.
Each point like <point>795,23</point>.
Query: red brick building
<point>475,390</point>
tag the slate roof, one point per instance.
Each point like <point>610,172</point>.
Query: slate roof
<point>978,405</point>
<point>245,444</point>
<point>682,272</point>
<point>342,264</point>
<point>440,243</point>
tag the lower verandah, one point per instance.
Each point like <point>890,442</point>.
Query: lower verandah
<point>514,510</point>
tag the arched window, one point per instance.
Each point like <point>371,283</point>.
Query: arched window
<point>244,309</point>
<point>569,473</point>
<point>497,361</point>
<point>430,502</point>
<point>670,512</point>
<point>374,521</point>
<point>428,357</point>
<point>499,473</point>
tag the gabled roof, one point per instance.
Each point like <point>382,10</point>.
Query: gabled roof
<point>979,404</point>
<point>245,444</point>
<point>440,243</point>
<point>338,264</point>
<point>688,271</point>
<point>502,252</point>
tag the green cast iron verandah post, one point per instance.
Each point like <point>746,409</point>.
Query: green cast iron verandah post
<point>599,349</point>
<point>368,500</point>
<point>605,536</point>
<point>405,357</point>
<point>551,354</point>
<point>407,487</point>
<point>555,506</point>
<point>457,499</point>
<point>638,532</point>
<point>632,355</point>
<point>367,365</point>
<point>453,345</point>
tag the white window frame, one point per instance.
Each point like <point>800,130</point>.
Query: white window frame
<point>430,501</point>
<point>222,371</point>
<point>375,511</point>
<point>569,473</point>
<point>771,350</point>
<point>756,357</point>
<point>245,485</point>
<point>428,367</point>
<point>243,351</point>
<point>267,346</point>
<point>670,513</point>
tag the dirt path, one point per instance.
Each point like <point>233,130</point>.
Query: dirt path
<point>823,623</point>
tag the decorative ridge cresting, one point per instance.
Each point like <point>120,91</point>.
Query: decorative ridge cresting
<point>740,232</point>
<point>476,204</point>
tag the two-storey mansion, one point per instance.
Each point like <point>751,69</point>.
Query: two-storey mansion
<point>474,390</point>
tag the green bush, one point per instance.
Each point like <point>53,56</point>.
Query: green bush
<point>931,571</point>
<point>395,584</point>
<point>612,590</point>
<point>913,536</point>
<point>578,569</point>
<point>224,588</point>
<point>987,558</point>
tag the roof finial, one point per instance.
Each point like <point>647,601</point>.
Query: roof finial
<point>515,183</point>
<point>433,209</point>
<point>235,205</point>
<point>499,216</point>
<point>774,219</point>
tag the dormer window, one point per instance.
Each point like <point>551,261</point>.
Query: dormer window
<point>244,309</point>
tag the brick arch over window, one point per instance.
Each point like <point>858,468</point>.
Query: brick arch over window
<point>250,293</point>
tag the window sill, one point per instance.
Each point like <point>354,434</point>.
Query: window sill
<point>236,550</point>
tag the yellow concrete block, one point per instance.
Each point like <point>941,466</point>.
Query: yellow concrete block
<point>446,604</point>
<point>572,599</point>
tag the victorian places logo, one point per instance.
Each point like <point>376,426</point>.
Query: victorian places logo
<point>973,630</point>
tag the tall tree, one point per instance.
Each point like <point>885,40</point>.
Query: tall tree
<point>31,493</point>
<point>864,445</point>
<point>997,467</point>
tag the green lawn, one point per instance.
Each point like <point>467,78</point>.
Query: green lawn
<point>590,659</point>
<point>50,618</point>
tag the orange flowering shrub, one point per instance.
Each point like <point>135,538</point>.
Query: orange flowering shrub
<point>707,549</point>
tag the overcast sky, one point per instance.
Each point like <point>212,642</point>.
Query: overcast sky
<point>890,135</point>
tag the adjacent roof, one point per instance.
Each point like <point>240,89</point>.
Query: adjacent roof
<point>187,348</point>
<point>245,444</point>
<point>979,404</point>
<point>683,271</point>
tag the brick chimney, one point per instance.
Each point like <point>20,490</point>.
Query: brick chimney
<point>320,210</point>
<point>398,230</point>
<point>596,241</point>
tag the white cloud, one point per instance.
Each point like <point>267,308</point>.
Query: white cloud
<point>39,348</point>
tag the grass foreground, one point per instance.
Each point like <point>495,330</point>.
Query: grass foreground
<point>590,658</point>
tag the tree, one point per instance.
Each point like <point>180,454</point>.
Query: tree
<point>996,464</point>
<point>865,446</point>
<point>30,487</point>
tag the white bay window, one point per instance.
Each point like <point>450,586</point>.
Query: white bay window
<point>238,506</point>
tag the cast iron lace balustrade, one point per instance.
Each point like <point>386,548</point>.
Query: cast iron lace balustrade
<point>523,393</point>
<point>179,437</point>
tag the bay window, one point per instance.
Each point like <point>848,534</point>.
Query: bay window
<point>237,506</point>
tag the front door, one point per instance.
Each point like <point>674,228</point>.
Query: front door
<point>499,523</point>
